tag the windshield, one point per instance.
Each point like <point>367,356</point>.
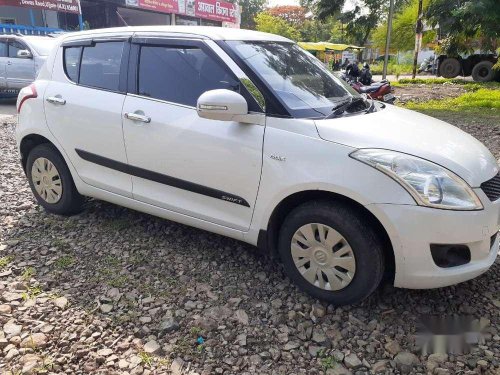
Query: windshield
<point>300,81</point>
<point>42,45</point>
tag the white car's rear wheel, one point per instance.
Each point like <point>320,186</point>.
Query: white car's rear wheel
<point>51,181</point>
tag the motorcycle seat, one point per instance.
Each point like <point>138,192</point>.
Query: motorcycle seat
<point>369,89</point>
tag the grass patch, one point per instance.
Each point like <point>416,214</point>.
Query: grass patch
<point>392,68</point>
<point>32,292</point>
<point>479,99</point>
<point>5,261</point>
<point>64,262</point>
<point>28,273</point>
<point>146,358</point>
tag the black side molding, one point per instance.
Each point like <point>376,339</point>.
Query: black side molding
<point>161,178</point>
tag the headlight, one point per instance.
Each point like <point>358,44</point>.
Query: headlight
<point>429,184</point>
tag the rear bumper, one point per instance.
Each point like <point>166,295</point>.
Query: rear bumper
<point>412,229</point>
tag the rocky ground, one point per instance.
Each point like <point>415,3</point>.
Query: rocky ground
<point>113,291</point>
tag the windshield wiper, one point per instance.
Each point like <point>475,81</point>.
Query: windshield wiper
<point>342,107</point>
<point>371,107</point>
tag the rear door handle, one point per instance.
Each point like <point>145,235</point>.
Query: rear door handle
<point>137,117</point>
<point>56,100</point>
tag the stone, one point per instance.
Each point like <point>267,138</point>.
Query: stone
<point>241,339</point>
<point>61,302</point>
<point>11,296</point>
<point>105,352</point>
<point>35,341</point>
<point>168,325</point>
<point>177,366</point>
<point>438,357</point>
<point>319,336</point>
<point>379,366</point>
<point>276,303</point>
<point>406,359</point>
<point>122,364</point>
<point>314,350</point>
<point>242,317</point>
<point>392,347</point>
<point>106,308</point>
<point>11,328</point>
<point>11,354</point>
<point>441,371</point>
<point>5,309</point>
<point>318,311</point>
<point>338,369</point>
<point>338,355</point>
<point>152,347</point>
<point>291,345</point>
<point>352,361</point>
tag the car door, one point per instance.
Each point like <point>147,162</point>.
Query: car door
<point>20,71</point>
<point>4,49</point>
<point>83,109</point>
<point>203,168</point>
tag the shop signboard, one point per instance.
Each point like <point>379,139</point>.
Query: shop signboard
<point>216,10</point>
<point>207,9</point>
<point>67,6</point>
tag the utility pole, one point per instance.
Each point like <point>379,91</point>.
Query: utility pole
<point>418,38</point>
<point>388,38</point>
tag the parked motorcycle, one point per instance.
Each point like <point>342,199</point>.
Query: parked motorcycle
<point>427,65</point>
<point>377,90</point>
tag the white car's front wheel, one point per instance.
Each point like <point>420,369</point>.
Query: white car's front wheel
<point>330,253</point>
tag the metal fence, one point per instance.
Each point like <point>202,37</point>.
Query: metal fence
<point>27,30</point>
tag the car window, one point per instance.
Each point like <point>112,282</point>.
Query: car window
<point>14,47</point>
<point>3,49</point>
<point>72,62</point>
<point>100,66</point>
<point>181,74</point>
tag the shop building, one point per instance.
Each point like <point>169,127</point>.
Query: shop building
<point>48,16</point>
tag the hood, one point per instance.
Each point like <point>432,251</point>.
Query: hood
<point>413,133</point>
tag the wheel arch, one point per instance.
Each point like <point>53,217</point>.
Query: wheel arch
<point>268,238</point>
<point>29,142</point>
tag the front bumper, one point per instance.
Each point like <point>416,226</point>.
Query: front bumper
<point>412,229</point>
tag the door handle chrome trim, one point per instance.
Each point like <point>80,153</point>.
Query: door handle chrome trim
<point>56,100</point>
<point>137,117</point>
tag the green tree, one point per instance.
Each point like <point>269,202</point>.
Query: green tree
<point>249,9</point>
<point>403,28</point>
<point>275,25</point>
<point>314,30</point>
<point>359,22</point>
<point>465,24</point>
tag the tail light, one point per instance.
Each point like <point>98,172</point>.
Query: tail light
<point>26,93</point>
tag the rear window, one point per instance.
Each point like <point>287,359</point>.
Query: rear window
<point>96,66</point>
<point>72,62</point>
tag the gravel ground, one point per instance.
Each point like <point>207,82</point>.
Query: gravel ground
<point>114,291</point>
<point>423,93</point>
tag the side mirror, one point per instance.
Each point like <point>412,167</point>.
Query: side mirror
<point>222,105</point>
<point>24,54</point>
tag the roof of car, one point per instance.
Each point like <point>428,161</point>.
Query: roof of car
<point>209,32</point>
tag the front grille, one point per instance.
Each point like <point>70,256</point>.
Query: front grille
<point>492,188</point>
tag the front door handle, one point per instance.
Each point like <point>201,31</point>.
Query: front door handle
<point>134,116</point>
<point>56,100</point>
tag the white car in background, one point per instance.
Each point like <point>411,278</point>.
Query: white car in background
<point>21,58</point>
<point>247,135</point>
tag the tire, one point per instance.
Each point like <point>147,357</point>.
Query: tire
<point>450,67</point>
<point>359,241</point>
<point>483,72</point>
<point>53,189</point>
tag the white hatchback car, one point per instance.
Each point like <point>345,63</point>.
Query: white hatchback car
<point>247,135</point>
